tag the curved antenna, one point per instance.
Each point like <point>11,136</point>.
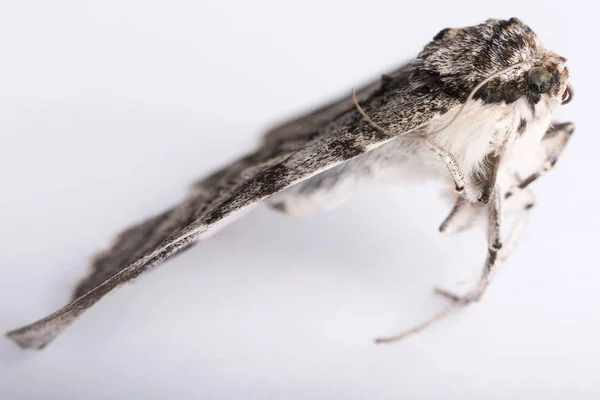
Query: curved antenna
<point>460,110</point>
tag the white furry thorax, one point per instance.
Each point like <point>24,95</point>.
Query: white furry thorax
<point>484,128</point>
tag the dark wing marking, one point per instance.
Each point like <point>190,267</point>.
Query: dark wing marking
<point>127,246</point>
<point>307,123</point>
<point>277,164</point>
<point>301,128</point>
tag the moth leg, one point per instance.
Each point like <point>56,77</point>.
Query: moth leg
<point>462,216</point>
<point>451,164</point>
<point>497,252</point>
<point>553,143</point>
<point>465,212</point>
<point>490,267</point>
<point>452,222</point>
<point>494,246</point>
<point>525,202</point>
<point>449,160</point>
<point>487,182</point>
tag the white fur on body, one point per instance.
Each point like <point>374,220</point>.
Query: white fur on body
<point>478,130</point>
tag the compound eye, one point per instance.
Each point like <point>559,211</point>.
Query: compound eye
<point>539,79</point>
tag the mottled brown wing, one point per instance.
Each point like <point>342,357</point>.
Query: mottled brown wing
<point>283,159</point>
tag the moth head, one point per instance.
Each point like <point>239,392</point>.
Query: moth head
<point>458,59</point>
<point>548,78</point>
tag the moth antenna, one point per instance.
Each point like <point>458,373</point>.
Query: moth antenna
<point>367,118</point>
<point>460,110</point>
<point>453,167</point>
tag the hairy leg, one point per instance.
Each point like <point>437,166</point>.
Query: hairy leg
<point>553,143</point>
<point>489,269</point>
<point>551,148</point>
<point>463,213</point>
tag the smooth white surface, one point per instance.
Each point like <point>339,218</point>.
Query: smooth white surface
<point>109,109</point>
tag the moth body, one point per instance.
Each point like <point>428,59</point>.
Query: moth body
<point>480,130</point>
<point>470,110</point>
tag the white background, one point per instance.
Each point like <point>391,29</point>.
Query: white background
<point>109,109</point>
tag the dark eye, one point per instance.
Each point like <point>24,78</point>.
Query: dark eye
<point>539,79</point>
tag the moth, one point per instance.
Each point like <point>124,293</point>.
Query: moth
<point>471,110</point>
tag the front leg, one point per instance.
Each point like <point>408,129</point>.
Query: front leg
<point>551,147</point>
<point>553,144</point>
<point>449,161</point>
<point>464,213</point>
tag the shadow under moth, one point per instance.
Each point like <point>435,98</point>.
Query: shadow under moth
<point>471,110</point>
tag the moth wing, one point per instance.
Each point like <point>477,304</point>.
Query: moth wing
<point>281,161</point>
<point>305,124</point>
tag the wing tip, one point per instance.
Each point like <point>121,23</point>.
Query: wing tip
<point>28,338</point>
<point>39,334</point>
